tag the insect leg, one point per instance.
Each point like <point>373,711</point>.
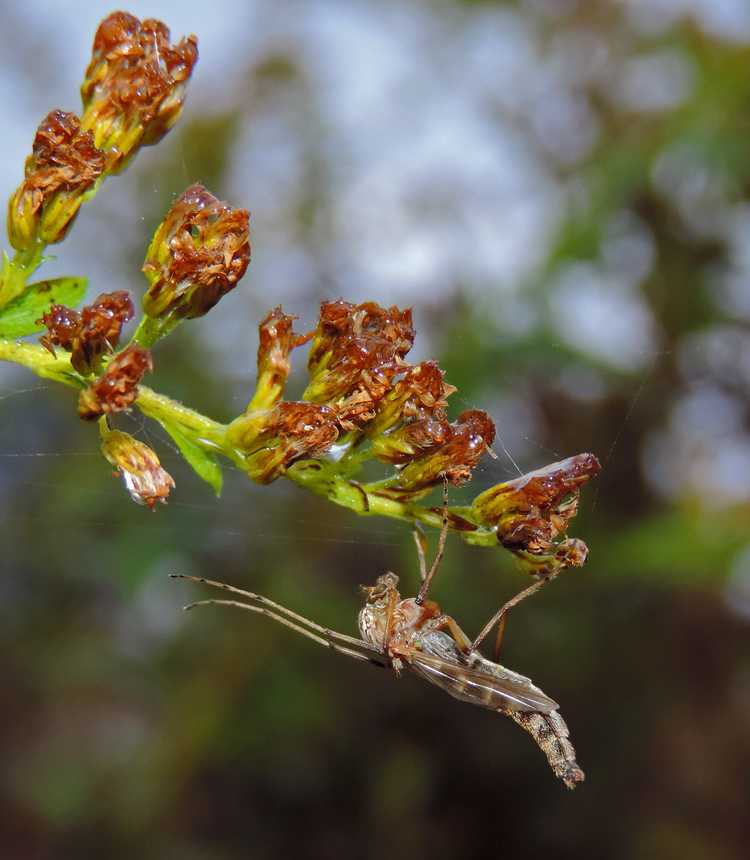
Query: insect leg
<point>419,540</point>
<point>499,616</point>
<point>446,622</point>
<point>425,587</point>
<point>265,606</point>
<point>499,636</point>
<point>329,641</point>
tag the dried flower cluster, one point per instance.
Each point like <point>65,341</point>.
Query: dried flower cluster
<point>116,389</point>
<point>531,513</point>
<point>356,352</point>
<point>198,254</point>
<point>364,399</point>
<point>134,87</point>
<point>63,165</point>
<point>364,395</point>
<point>132,95</point>
<point>90,334</point>
<point>362,388</point>
<point>276,341</point>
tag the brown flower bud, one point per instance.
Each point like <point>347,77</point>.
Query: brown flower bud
<point>63,166</point>
<point>467,439</point>
<point>412,440</point>
<point>138,466</point>
<point>134,87</point>
<point>90,334</point>
<point>533,511</point>
<point>276,439</point>
<point>570,552</point>
<point>197,255</point>
<point>276,341</point>
<point>63,327</point>
<point>356,352</point>
<point>420,397</point>
<point>117,388</point>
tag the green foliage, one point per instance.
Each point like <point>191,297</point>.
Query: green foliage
<point>22,316</point>
<point>206,466</point>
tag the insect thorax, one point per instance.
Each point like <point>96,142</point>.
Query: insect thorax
<point>372,622</point>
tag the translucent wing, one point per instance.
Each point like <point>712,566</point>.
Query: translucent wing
<point>488,689</point>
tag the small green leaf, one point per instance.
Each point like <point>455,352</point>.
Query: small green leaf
<point>19,317</point>
<point>205,464</point>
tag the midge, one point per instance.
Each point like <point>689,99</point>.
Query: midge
<point>413,634</point>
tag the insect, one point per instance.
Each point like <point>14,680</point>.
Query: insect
<point>413,635</point>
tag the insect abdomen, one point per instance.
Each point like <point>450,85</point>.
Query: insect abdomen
<point>552,737</point>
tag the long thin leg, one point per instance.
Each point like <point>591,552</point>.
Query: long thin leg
<point>419,541</point>
<point>499,616</point>
<point>440,550</point>
<point>280,613</point>
<point>327,641</point>
<point>499,636</point>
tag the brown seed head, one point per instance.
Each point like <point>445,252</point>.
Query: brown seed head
<point>197,255</point>
<point>421,394</point>
<point>134,87</point>
<point>90,334</point>
<point>139,467</point>
<point>411,441</point>
<point>277,339</point>
<point>63,327</point>
<point>356,352</point>
<point>292,431</point>
<point>467,439</point>
<point>64,164</point>
<point>532,512</point>
<point>117,388</point>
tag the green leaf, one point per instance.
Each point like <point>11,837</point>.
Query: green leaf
<point>205,464</point>
<point>19,317</point>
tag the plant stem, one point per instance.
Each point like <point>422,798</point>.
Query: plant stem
<point>322,477</point>
<point>150,330</point>
<point>40,361</point>
<point>201,429</point>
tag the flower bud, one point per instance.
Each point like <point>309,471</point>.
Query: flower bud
<point>198,254</point>
<point>530,513</point>
<point>420,396</point>
<point>273,440</point>
<point>90,334</point>
<point>63,327</point>
<point>276,341</point>
<point>134,86</point>
<point>467,439</point>
<point>64,164</point>
<point>356,352</point>
<point>570,552</point>
<point>412,441</point>
<point>117,388</point>
<point>138,466</point>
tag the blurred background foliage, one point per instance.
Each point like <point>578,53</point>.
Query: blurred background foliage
<point>561,190</point>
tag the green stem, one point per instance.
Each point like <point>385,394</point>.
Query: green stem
<point>322,477</point>
<point>325,479</point>
<point>204,431</point>
<point>41,362</point>
<point>150,330</point>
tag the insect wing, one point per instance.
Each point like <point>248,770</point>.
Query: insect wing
<point>478,687</point>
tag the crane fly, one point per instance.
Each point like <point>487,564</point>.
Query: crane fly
<point>413,635</point>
